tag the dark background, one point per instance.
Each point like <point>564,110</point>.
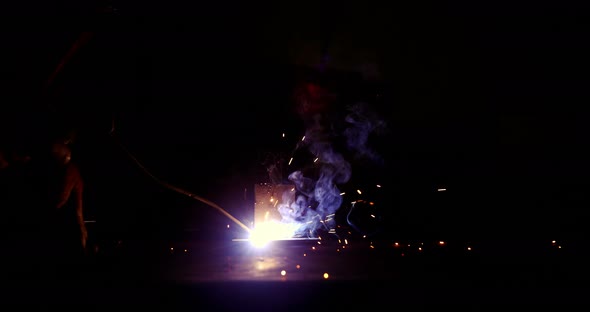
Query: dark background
<point>487,100</point>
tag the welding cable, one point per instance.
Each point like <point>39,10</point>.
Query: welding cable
<point>350,221</point>
<point>356,227</point>
<point>81,41</point>
<point>175,188</point>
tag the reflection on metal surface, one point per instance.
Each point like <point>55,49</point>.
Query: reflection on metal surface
<point>285,260</point>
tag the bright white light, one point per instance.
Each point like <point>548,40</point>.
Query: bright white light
<point>272,230</point>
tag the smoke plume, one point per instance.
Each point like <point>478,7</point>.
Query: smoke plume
<point>318,197</point>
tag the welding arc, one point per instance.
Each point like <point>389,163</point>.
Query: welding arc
<point>179,190</point>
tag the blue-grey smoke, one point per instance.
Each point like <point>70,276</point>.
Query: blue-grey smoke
<point>318,197</point>
<point>362,122</point>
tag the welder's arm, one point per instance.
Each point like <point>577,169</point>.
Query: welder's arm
<point>78,190</point>
<point>70,181</point>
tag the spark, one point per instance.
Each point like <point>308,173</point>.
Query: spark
<point>283,134</point>
<point>442,189</point>
<point>378,185</point>
<point>316,159</point>
<point>303,138</point>
<point>342,194</point>
<point>326,275</point>
<point>283,273</point>
<point>290,160</point>
<point>358,191</point>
